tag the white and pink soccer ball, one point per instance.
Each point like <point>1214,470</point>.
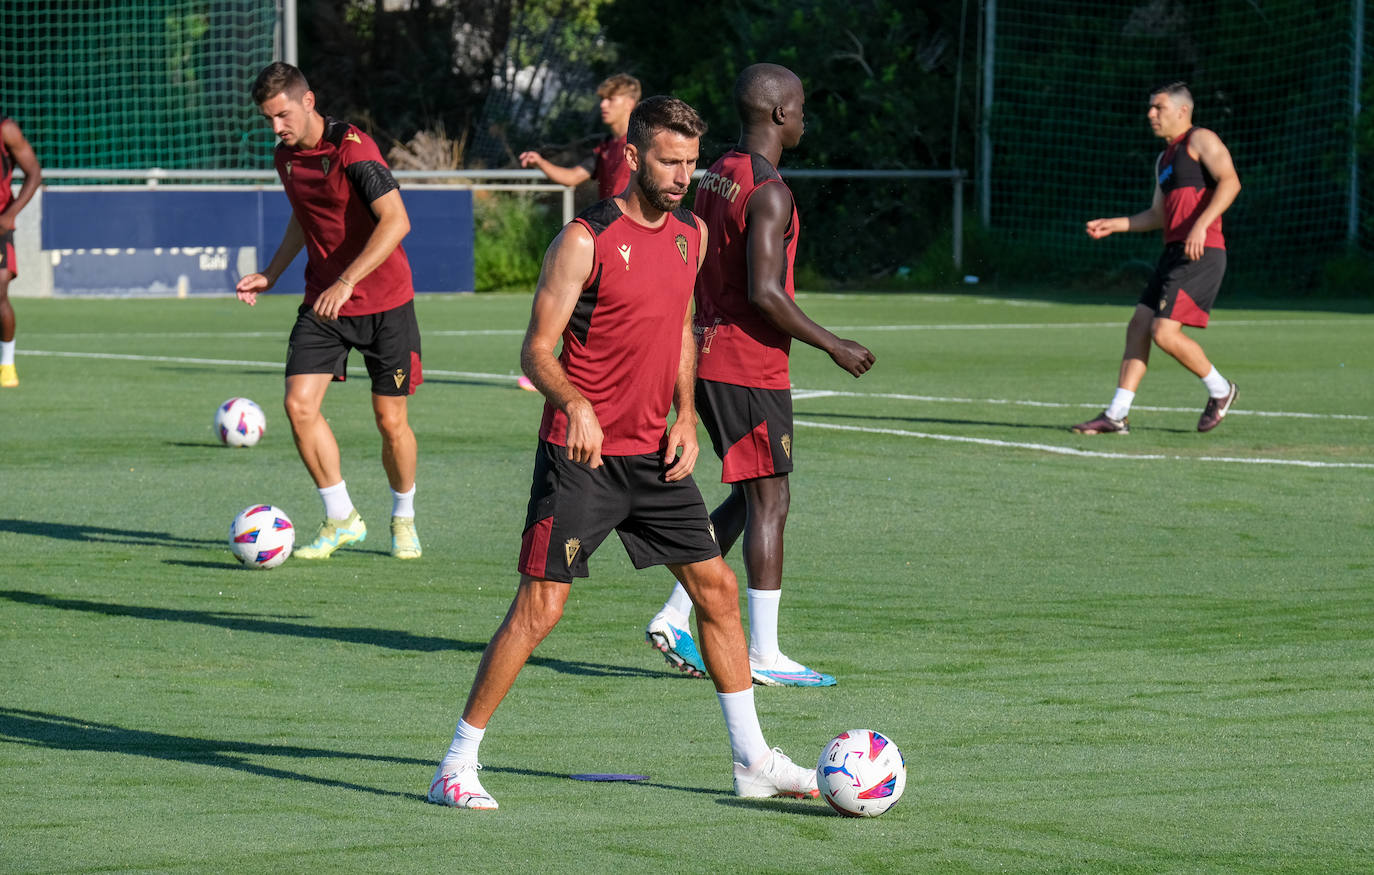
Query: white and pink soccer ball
<point>262,536</point>
<point>861,773</point>
<point>239,423</point>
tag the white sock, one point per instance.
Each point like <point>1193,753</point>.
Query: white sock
<point>1217,385</point>
<point>6,352</point>
<point>466,739</point>
<point>763,624</point>
<point>403,503</point>
<point>747,746</point>
<point>678,607</point>
<point>1121,403</point>
<point>337,504</point>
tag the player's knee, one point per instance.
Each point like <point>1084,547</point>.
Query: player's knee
<point>299,408</point>
<point>715,591</point>
<point>391,421</point>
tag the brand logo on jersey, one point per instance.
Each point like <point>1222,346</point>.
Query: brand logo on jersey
<point>1168,171</point>
<point>707,334</point>
<point>786,441</point>
<point>717,184</point>
<point>712,529</point>
<point>625,254</point>
<point>570,548</point>
<point>681,242</point>
<point>352,137</point>
<point>324,166</point>
<point>399,377</point>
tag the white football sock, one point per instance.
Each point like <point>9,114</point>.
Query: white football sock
<point>6,352</point>
<point>747,746</point>
<point>466,739</point>
<point>1217,385</point>
<point>1121,403</point>
<point>763,624</point>
<point>337,504</point>
<point>403,503</point>
<point>678,607</point>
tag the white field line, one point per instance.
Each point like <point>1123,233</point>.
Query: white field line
<point>800,394</point>
<point>1072,451</point>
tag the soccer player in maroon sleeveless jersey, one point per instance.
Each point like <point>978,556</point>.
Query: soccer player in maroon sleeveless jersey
<point>347,213</point>
<point>606,164</point>
<point>616,290</point>
<point>15,151</point>
<point>1195,182</point>
<point>746,318</point>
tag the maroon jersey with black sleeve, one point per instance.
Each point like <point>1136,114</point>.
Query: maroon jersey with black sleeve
<point>6,172</point>
<point>623,342</point>
<point>737,344</point>
<point>331,188</point>
<point>608,167</point>
<point>1187,188</point>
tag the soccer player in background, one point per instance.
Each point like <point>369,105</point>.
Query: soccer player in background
<point>14,151</point>
<point>1195,182</point>
<point>346,212</point>
<point>606,164</point>
<point>616,289</point>
<point>746,318</point>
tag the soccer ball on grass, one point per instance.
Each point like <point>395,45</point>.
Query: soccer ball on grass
<point>861,773</point>
<point>239,422</point>
<point>262,536</point>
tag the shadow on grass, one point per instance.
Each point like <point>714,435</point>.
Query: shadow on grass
<point>806,807</point>
<point>56,732</point>
<point>100,534</point>
<point>390,639</point>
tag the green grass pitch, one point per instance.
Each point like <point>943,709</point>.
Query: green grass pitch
<point>1128,654</point>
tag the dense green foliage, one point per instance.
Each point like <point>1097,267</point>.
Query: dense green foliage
<point>1152,659</point>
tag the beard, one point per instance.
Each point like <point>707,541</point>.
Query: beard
<point>657,196</point>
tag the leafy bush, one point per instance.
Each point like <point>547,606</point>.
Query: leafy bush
<point>512,232</point>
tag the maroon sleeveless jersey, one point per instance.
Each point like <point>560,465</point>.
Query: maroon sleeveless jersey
<point>623,343</point>
<point>331,188</point>
<point>6,172</point>
<point>1187,188</point>
<point>737,345</point>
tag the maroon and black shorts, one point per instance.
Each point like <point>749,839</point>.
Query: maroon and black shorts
<point>7,261</point>
<point>1182,289</point>
<point>573,508</point>
<point>750,429</point>
<point>389,342</point>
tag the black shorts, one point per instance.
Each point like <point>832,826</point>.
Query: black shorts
<point>7,254</point>
<point>389,342</point>
<point>750,429</point>
<point>573,508</point>
<point>1184,290</point>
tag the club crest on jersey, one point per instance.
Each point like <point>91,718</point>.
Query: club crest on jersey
<point>625,254</point>
<point>324,166</point>
<point>681,242</point>
<point>786,441</point>
<point>288,168</point>
<point>353,138</point>
<point>570,548</point>
<point>399,377</point>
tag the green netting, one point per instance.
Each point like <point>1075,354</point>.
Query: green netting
<point>1273,79</point>
<point>138,83</point>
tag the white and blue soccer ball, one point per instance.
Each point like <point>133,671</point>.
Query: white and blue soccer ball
<point>262,536</point>
<point>239,422</point>
<point>861,773</point>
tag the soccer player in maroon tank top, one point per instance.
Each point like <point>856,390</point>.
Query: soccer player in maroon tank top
<point>1195,182</point>
<point>347,214</point>
<point>14,151</point>
<point>616,290</point>
<point>747,316</point>
<point>606,164</point>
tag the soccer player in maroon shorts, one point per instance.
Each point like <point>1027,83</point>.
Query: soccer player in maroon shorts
<point>747,316</point>
<point>615,289</point>
<point>1195,182</point>
<point>14,151</point>
<point>347,213</point>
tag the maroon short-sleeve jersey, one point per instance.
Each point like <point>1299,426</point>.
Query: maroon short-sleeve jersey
<point>738,345</point>
<point>1187,188</point>
<point>331,188</point>
<point>608,167</point>
<point>623,342</point>
<point>6,172</point>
